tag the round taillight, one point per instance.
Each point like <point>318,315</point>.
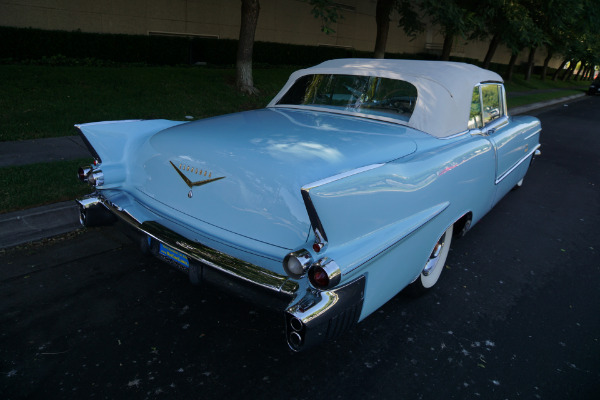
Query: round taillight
<point>324,274</point>
<point>319,277</point>
<point>82,173</point>
<point>297,263</point>
<point>294,266</point>
<point>96,178</point>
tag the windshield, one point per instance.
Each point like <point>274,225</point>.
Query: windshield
<point>369,95</point>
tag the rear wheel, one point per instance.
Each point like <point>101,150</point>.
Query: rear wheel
<point>435,264</point>
<point>519,184</point>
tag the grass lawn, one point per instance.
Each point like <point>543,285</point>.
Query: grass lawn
<point>519,84</point>
<point>539,97</point>
<point>521,92</point>
<point>41,101</point>
<point>37,184</point>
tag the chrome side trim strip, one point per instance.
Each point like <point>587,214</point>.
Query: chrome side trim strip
<point>504,175</point>
<point>340,176</point>
<point>533,134</point>
<point>232,266</point>
<point>455,135</point>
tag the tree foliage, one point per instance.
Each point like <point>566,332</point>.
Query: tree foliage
<point>566,28</point>
<point>454,17</point>
<point>328,12</point>
<point>408,19</point>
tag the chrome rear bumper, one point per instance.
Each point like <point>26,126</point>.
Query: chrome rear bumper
<point>311,315</point>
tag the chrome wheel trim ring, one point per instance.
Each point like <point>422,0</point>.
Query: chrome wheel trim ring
<point>435,265</point>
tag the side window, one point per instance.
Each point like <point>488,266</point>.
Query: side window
<point>475,120</point>
<point>492,102</point>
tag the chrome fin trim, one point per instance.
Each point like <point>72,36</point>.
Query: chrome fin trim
<point>315,221</point>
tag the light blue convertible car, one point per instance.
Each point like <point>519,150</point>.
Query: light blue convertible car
<point>347,188</point>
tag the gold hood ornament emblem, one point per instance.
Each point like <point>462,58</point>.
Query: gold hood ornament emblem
<point>197,183</point>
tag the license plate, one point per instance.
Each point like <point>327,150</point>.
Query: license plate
<point>174,255</point>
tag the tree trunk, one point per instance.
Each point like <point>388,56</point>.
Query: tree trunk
<point>530,62</point>
<point>511,66</point>
<point>578,76</point>
<point>491,50</point>
<point>562,65</point>
<point>244,81</point>
<point>591,71</point>
<point>582,73</point>
<point>447,48</point>
<point>382,18</point>
<point>545,67</point>
<point>569,74</point>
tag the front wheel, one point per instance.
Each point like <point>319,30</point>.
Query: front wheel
<point>435,264</point>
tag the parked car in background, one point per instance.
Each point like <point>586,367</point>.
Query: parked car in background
<point>347,188</point>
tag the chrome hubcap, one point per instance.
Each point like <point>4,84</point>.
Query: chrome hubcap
<point>435,254</point>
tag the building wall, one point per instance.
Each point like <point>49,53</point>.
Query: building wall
<point>284,21</point>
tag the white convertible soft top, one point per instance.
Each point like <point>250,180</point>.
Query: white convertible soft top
<point>444,89</point>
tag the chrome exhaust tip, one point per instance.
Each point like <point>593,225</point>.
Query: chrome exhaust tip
<point>93,213</point>
<point>295,332</point>
<point>295,341</point>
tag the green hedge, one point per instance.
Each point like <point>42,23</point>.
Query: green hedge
<point>27,44</point>
<point>33,44</point>
<point>24,44</point>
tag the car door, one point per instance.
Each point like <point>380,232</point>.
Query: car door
<point>512,142</point>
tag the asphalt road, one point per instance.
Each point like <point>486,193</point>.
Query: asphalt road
<point>516,315</point>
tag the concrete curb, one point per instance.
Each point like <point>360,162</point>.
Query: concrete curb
<point>38,223</point>
<point>26,152</point>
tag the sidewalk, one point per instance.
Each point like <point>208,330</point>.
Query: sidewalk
<point>42,222</point>
<point>27,152</point>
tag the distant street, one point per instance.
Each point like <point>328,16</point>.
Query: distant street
<point>516,314</point>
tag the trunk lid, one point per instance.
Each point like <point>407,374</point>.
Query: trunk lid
<point>243,172</point>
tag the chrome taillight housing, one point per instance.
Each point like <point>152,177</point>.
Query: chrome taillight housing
<point>324,274</point>
<point>297,263</point>
<point>94,177</point>
<point>83,172</point>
